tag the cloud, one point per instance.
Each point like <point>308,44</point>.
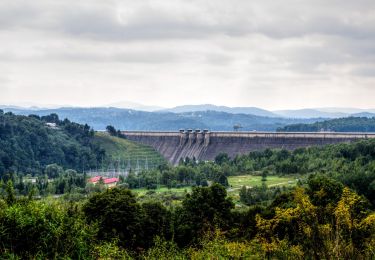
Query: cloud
<point>131,20</point>
<point>266,53</point>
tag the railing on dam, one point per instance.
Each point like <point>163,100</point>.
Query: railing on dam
<point>151,133</point>
<point>351,135</point>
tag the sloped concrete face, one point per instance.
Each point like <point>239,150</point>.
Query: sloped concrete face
<point>207,145</point>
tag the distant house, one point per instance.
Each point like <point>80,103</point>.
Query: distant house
<point>108,182</point>
<point>95,179</point>
<point>52,125</point>
<point>111,182</point>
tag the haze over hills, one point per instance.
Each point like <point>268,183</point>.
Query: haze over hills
<point>322,112</point>
<point>325,112</point>
<point>233,110</point>
<point>134,105</point>
<point>329,112</point>
<point>309,113</point>
<point>217,118</point>
<point>128,119</point>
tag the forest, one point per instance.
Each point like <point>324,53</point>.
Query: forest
<point>29,143</point>
<point>328,213</point>
<point>346,124</point>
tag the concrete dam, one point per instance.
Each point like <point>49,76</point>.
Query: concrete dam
<point>205,145</point>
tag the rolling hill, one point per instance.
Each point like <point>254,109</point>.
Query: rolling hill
<point>233,110</point>
<point>347,124</point>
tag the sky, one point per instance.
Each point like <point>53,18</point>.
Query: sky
<point>270,54</point>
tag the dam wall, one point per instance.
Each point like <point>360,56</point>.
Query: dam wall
<point>205,145</point>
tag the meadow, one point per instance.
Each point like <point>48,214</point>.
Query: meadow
<point>235,184</point>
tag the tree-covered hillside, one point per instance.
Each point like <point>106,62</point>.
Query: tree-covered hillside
<point>347,124</point>
<point>29,143</point>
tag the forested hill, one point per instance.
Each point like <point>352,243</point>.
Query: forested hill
<point>347,124</point>
<point>29,143</point>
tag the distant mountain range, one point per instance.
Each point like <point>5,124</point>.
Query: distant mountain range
<point>128,119</point>
<point>133,105</point>
<point>297,113</point>
<point>233,110</point>
<point>218,118</point>
<point>309,113</point>
<point>326,112</point>
<point>323,112</point>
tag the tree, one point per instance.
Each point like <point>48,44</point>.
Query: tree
<point>155,222</point>
<point>52,118</point>
<point>205,209</point>
<point>118,215</point>
<point>222,179</point>
<point>264,176</point>
<point>53,170</point>
<point>11,195</point>
<point>111,130</point>
<point>222,158</point>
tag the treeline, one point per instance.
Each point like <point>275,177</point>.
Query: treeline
<point>29,143</point>
<point>322,220</point>
<point>347,124</point>
<point>56,181</point>
<point>351,164</point>
<point>187,173</point>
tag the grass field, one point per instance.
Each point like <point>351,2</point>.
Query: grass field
<point>126,152</point>
<point>251,181</point>
<point>235,182</point>
<point>163,189</point>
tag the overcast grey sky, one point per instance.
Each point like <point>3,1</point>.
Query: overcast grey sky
<point>269,53</point>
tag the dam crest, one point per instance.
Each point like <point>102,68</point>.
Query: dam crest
<point>206,145</point>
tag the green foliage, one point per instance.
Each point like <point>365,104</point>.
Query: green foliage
<point>203,210</point>
<point>329,215</point>
<point>28,144</point>
<point>11,196</point>
<point>351,164</point>
<point>222,158</point>
<point>45,230</point>
<point>165,250</point>
<point>155,223</point>
<point>347,124</point>
<point>109,250</point>
<point>216,246</point>
<point>113,132</point>
<point>260,194</point>
<point>115,225</point>
<point>118,216</point>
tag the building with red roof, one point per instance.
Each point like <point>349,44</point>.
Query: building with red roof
<point>109,182</point>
